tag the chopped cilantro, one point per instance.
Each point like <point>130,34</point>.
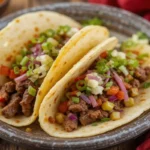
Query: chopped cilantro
<point>142,56</point>
<point>142,35</point>
<point>94,21</point>
<point>101,66</point>
<point>146,85</point>
<point>126,45</point>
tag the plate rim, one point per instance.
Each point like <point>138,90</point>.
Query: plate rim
<point>94,142</point>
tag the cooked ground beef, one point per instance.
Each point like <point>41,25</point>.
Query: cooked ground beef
<point>90,117</point>
<point>4,95</point>
<point>70,125</point>
<point>118,105</point>
<point>135,83</point>
<point>26,103</point>
<point>12,108</point>
<point>22,86</point>
<point>95,114</point>
<point>81,107</point>
<point>147,70</point>
<point>105,114</point>
<point>140,74</point>
<point>10,87</point>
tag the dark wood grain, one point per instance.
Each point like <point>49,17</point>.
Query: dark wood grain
<point>16,5</point>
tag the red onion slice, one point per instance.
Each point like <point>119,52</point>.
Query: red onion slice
<point>108,74</point>
<point>72,116</point>
<point>121,85</point>
<point>21,78</point>
<point>112,98</point>
<point>93,101</point>
<point>85,98</point>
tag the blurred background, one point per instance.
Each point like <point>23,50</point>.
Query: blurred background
<point>140,7</point>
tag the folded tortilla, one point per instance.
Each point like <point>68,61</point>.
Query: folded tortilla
<point>52,100</point>
<point>22,29</point>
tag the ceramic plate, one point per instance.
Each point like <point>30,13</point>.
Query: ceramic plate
<point>121,24</point>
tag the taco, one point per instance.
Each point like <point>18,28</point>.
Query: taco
<point>107,88</point>
<point>29,46</point>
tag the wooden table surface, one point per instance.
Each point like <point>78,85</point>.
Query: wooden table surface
<point>16,5</point>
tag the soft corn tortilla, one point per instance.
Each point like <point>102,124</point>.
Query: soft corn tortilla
<point>22,29</point>
<point>52,99</point>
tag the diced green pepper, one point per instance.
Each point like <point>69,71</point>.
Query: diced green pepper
<point>81,85</point>
<point>32,91</point>
<point>75,100</point>
<point>24,61</point>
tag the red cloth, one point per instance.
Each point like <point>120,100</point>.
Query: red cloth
<point>141,7</point>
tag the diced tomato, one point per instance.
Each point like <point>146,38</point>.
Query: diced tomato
<point>2,99</point>
<point>12,75</point>
<point>4,70</point>
<point>73,87</point>
<point>104,54</point>
<point>80,78</point>
<point>113,90</point>
<point>63,107</point>
<point>99,102</point>
<point>120,95</point>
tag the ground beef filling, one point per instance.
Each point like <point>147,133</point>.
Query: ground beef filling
<point>15,99</point>
<point>86,114</point>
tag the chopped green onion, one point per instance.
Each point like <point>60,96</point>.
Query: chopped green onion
<point>24,68</point>
<point>29,73</point>
<point>142,56</point>
<point>24,61</point>
<point>78,93</point>
<point>126,45</point>
<point>81,85</point>
<point>18,59</point>
<point>50,33</point>
<point>34,41</point>
<point>109,84</point>
<point>75,100</point>
<point>24,52</point>
<point>105,119</point>
<point>55,52</point>
<point>131,73</point>
<point>131,55</point>
<point>63,29</point>
<point>94,21</point>
<point>133,63</point>
<point>88,90</point>
<point>16,70</point>
<point>41,39</point>
<point>142,35</point>
<point>31,66</point>
<point>47,46</point>
<point>146,85</point>
<point>101,66</point>
<point>32,91</point>
<point>124,70</point>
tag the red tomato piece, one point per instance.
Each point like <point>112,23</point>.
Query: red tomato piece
<point>63,107</point>
<point>4,70</point>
